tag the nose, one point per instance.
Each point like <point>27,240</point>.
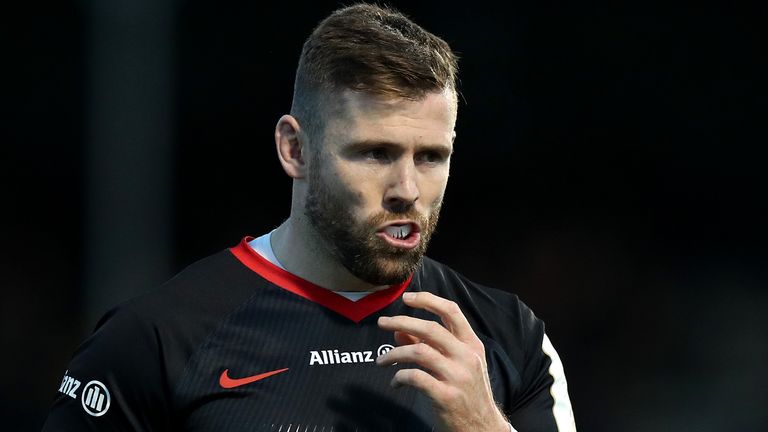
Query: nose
<point>402,188</point>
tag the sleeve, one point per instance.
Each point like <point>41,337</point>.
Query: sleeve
<point>115,380</point>
<point>544,405</point>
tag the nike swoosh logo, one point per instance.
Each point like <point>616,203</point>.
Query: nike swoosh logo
<point>227,382</point>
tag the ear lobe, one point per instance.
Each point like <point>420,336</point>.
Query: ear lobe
<point>289,146</point>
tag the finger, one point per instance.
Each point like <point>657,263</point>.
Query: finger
<point>418,379</point>
<point>428,331</point>
<point>448,311</point>
<point>422,355</point>
<point>403,338</point>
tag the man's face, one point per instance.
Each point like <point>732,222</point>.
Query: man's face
<point>376,186</point>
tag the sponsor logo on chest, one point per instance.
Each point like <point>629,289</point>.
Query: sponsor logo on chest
<point>334,356</point>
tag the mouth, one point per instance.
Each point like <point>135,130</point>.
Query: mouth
<point>401,234</point>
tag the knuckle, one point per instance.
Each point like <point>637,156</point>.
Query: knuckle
<point>421,349</point>
<point>452,308</point>
<point>479,347</point>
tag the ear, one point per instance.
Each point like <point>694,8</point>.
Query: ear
<point>290,146</point>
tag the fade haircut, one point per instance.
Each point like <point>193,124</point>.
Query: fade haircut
<point>371,49</point>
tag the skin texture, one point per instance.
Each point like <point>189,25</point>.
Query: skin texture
<point>378,161</point>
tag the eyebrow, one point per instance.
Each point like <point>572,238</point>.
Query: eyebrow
<point>366,144</point>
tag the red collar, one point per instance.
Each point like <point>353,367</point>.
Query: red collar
<point>355,311</point>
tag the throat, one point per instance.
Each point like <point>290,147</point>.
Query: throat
<point>304,254</point>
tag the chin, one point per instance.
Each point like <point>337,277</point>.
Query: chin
<point>387,271</point>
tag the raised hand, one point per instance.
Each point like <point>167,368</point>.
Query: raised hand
<point>456,377</point>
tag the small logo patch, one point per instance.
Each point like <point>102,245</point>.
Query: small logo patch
<point>226,382</point>
<point>384,349</point>
<point>95,398</point>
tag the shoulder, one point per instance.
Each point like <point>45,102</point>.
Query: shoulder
<point>493,310</point>
<point>167,324</point>
<point>139,348</point>
<point>209,287</point>
<point>452,283</point>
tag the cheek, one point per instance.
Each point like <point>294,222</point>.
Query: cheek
<point>364,200</point>
<point>433,188</point>
<point>354,190</point>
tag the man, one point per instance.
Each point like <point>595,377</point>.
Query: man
<point>335,320</point>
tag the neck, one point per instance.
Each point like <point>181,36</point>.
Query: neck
<point>304,253</point>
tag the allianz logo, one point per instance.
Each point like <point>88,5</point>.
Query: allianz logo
<point>334,356</point>
<point>94,396</point>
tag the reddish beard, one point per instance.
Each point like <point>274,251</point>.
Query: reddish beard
<point>356,245</point>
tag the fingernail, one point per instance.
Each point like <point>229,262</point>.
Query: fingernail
<point>409,296</point>
<point>383,319</point>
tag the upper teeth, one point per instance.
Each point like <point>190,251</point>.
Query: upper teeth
<point>399,231</point>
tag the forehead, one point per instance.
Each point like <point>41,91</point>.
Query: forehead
<point>360,116</point>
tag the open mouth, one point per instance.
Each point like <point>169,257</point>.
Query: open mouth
<point>401,234</point>
<point>399,231</point>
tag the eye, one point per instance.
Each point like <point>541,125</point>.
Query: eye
<point>376,154</point>
<point>430,157</point>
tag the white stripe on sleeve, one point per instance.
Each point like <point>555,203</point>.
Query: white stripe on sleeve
<point>561,410</point>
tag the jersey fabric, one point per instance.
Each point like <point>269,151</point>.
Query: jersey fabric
<point>235,343</point>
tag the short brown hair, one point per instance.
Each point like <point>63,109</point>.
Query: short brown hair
<point>372,49</point>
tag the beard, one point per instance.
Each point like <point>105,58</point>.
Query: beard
<point>356,245</point>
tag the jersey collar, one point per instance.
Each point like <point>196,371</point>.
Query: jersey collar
<point>355,311</point>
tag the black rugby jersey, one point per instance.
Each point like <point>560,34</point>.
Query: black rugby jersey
<point>235,343</point>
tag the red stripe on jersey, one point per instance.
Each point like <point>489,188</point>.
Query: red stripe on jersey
<point>355,311</point>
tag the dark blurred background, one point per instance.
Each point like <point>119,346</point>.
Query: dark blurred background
<point>609,169</point>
